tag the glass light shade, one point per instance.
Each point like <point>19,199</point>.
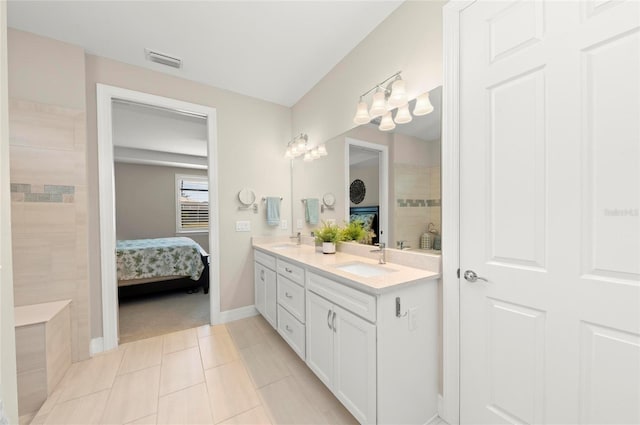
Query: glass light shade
<point>387,123</point>
<point>300,144</point>
<point>307,157</point>
<point>362,114</point>
<point>403,115</point>
<point>288,153</point>
<point>379,106</point>
<point>322,150</point>
<point>314,153</point>
<point>423,105</point>
<point>294,150</point>
<point>398,94</point>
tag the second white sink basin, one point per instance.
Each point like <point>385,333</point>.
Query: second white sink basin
<point>365,269</point>
<point>285,246</point>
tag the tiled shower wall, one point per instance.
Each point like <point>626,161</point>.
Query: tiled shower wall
<point>49,210</point>
<point>417,203</point>
<point>48,173</point>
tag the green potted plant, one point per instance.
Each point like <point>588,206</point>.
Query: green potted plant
<point>354,231</point>
<point>329,235</point>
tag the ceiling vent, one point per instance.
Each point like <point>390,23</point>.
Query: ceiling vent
<point>163,59</point>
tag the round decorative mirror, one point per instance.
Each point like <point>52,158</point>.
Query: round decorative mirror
<point>357,191</point>
<point>329,199</point>
<point>246,197</point>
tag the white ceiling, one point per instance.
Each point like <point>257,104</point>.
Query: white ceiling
<point>271,50</point>
<point>142,127</point>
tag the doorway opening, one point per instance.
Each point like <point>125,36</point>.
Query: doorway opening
<point>368,163</point>
<point>106,96</point>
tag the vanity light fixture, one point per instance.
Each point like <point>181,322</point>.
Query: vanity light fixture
<point>390,94</point>
<point>298,146</point>
<point>423,105</point>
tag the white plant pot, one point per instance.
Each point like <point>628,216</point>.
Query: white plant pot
<point>328,248</point>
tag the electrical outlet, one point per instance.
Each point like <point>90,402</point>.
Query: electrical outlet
<point>284,225</point>
<point>413,319</point>
<point>299,224</point>
<point>243,226</point>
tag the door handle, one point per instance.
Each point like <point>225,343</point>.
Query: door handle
<point>333,322</point>
<point>471,276</point>
<point>262,275</point>
<point>288,295</point>
<point>329,319</point>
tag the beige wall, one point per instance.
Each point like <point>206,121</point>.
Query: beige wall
<point>8,385</point>
<point>410,39</point>
<point>146,202</point>
<point>252,136</point>
<point>48,149</point>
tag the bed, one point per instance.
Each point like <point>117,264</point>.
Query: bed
<point>150,265</point>
<point>369,217</point>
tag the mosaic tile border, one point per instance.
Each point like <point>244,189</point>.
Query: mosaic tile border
<point>403,203</point>
<point>55,193</point>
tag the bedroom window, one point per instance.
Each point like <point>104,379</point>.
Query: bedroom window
<point>192,204</point>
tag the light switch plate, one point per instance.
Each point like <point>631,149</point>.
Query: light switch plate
<point>243,226</point>
<point>283,224</point>
<point>299,224</point>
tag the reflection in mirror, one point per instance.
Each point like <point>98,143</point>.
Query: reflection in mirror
<point>414,177</point>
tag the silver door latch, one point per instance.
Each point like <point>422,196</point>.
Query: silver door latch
<point>471,276</point>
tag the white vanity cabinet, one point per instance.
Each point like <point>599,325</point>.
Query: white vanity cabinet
<point>265,286</point>
<point>291,305</point>
<point>341,350</point>
<point>372,341</point>
<point>381,365</point>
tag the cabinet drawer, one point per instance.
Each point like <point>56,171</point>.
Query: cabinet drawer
<point>357,302</point>
<point>292,331</point>
<point>291,297</point>
<point>295,273</point>
<point>264,259</point>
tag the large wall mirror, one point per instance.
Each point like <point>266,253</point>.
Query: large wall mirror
<point>413,180</point>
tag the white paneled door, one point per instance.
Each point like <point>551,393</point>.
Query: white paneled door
<point>550,196</point>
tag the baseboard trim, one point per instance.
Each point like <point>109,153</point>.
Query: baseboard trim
<point>96,346</point>
<point>238,313</point>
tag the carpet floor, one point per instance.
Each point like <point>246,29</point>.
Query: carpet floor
<point>158,314</point>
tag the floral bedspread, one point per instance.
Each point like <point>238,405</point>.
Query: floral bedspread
<point>145,258</point>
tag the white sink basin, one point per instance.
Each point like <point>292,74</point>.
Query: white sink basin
<point>285,246</point>
<point>365,269</point>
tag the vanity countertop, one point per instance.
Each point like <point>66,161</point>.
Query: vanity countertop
<point>306,255</point>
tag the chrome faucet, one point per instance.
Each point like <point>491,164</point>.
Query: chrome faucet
<point>401,245</point>
<point>298,238</point>
<point>381,259</point>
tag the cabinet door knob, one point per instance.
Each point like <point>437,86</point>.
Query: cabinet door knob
<point>288,329</point>
<point>329,319</point>
<point>288,295</point>
<point>288,270</point>
<point>262,275</point>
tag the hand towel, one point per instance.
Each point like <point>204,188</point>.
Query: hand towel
<point>273,210</point>
<point>311,210</point>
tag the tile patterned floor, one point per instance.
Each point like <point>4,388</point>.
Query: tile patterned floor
<point>238,373</point>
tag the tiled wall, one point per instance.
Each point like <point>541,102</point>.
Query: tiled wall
<point>49,210</point>
<point>24,192</point>
<point>417,203</point>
